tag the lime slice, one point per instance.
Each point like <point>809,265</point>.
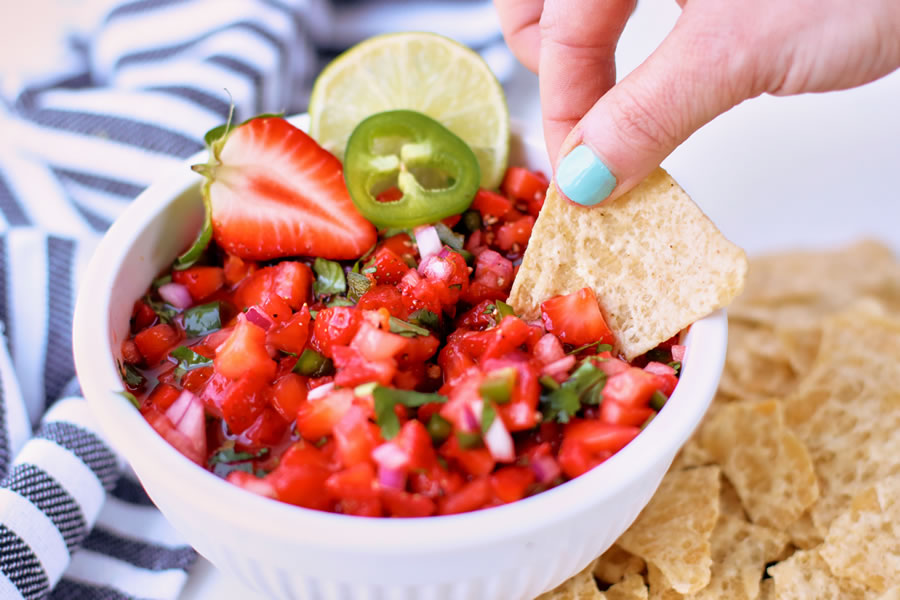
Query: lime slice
<point>416,71</point>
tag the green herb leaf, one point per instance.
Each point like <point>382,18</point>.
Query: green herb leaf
<point>133,378</point>
<point>488,414</point>
<point>193,254</point>
<point>658,400</point>
<point>357,285</point>
<point>161,281</point>
<point>339,301</point>
<point>313,364</point>
<point>385,400</point>
<point>130,397</point>
<point>675,364</point>
<point>329,278</point>
<point>449,237</point>
<point>405,329</point>
<point>188,360</point>
<point>165,312</point>
<point>468,439</point>
<point>203,319</point>
<point>425,318</point>
<point>504,309</point>
<point>548,382</point>
<point>600,348</point>
<point>227,460</point>
<point>584,386</point>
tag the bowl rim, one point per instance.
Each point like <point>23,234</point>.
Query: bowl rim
<point>128,431</point>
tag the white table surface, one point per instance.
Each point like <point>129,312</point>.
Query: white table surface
<point>773,173</point>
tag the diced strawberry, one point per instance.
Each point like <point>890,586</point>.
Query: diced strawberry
<point>162,396</point>
<point>522,184</point>
<point>389,268</point>
<point>269,429</point>
<point>155,342</point>
<point>130,353</point>
<point>300,477</point>
<point>142,316</point>
<point>576,318</point>
<point>401,245</point>
<point>356,437</point>
<point>515,233</point>
<point>375,344</point>
<point>471,496</point>
<point>275,192</point>
<point>244,352</point>
<point>491,204</point>
<point>633,387</point>
<point>511,483</point>
<point>335,326</point>
<point>384,296</point>
<point>202,282</point>
<point>404,504</point>
<point>355,481</point>
<point>242,402</point>
<point>291,280</point>
<point>316,418</point>
<point>287,394</point>
<point>587,443</point>
<point>292,335</point>
<point>236,269</point>
<point>354,369</point>
<point>616,413</point>
<point>195,379</point>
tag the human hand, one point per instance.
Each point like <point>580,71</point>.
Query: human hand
<point>604,137</point>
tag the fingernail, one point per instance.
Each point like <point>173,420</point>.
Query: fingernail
<point>583,177</point>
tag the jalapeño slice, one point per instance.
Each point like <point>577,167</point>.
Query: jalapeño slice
<point>435,171</point>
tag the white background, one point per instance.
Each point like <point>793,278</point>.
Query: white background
<point>773,173</point>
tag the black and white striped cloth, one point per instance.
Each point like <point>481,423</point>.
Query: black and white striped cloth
<point>133,99</point>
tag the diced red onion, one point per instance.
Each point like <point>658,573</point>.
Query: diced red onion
<point>390,456</point>
<point>434,268</point>
<point>444,253</point>
<point>320,392</point>
<point>428,241</point>
<point>560,367</point>
<point>548,349</point>
<point>258,317</point>
<point>659,368</point>
<point>471,420</point>
<point>176,294</point>
<point>545,469</point>
<point>193,425</point>
<point>392,478</point>
<point>177,410</point>
<point>678,352</point>
<point>498,441</point>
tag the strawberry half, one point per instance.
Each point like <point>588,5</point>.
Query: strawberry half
<point>274,192</point>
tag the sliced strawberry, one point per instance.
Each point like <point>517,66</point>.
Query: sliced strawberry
<point>275,192</point>
<point>576,318</point>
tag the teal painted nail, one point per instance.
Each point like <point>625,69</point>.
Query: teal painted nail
<point>583,178</point>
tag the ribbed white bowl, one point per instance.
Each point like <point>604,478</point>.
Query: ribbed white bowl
<point>510,552</point>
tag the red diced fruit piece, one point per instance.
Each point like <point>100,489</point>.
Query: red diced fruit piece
<point>389,267</point>
<point>130,353</point>
<point>632,387</point>
<point>515,233</point>
<point>163,396</point>
<point>493,278</point>
<point>287,394</point>
<point>587,443</point>
<point>291,280</point>
<point>195,379</point>
<point>300,477</point>
<point>292,335</point>
<point>522,184</point>
<point>375,344</point>
<point>268,429</point>
<point>401,245</point>
<point>491,204</point>
<point>201,282</point>
<point>142,316</point>
<point>244,353</point>
<point>471,496</point>
<point>302,205</point>
<point>383,296</point>
<point>242,402</point>
<point>236,269</point>
<point>404,504</point>
<point>617,413</point>
<point>392,194</point>
<point>357,481</point>
<point>576,318</point>
<point>511,483</point>
<point>155,342</point>
<point>335,326</point>
<point>317,417</point>
<point>354,369</point>
<point>356,437</point>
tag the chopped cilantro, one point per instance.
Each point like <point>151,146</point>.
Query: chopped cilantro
<point>226,460</point>
<point>130,397</point>
<point>449,237</point>
<point>488,414</point>
<point>188,360</point>
<point>131,375</point>
<point>165,312</point>
<point>675,364</point>
<point>504,309</point>
<point>385,400</point>
<point>584,386</point>
<point>339,301</point>
<point>600,348</point>
<point>425,318</point>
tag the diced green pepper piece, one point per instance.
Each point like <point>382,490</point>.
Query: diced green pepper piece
<point>498,385</point>
<point>313,364</point>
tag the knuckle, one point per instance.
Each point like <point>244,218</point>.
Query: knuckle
<point>641,126</point>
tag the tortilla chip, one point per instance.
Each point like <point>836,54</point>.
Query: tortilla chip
<point>616,563</point>
<point>803,286</point>
<point>655,261</point>
<point>673,530</point>
<point>630,588</point>
<point>767,589</point>
<point>757,366</point>
<point>740,552</point>
<point>660,588</point>
<point>579,587</point>
<point>805,576</point>
<point>769,467</point>
<point>863,543</point>
<point>847,409</point>
<point>891,594</point>
<point>804,533</point>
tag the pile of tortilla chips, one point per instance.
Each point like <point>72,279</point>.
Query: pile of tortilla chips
<point>790,488</point>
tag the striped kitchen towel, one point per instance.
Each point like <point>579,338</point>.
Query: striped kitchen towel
<point>133,98</point>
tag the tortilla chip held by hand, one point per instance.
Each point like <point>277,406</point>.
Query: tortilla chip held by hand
<point>655,261</point>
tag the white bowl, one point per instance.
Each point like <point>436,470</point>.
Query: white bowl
<point>511,552</point>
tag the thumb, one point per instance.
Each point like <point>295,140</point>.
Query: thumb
<point>692,77</point>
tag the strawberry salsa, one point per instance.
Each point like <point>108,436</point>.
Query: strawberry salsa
<point>376,374</point>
